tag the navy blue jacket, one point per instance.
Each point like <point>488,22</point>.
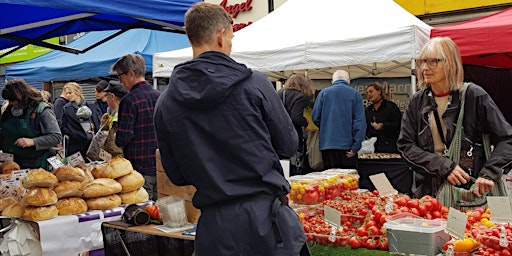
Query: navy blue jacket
<point>78,139</point>
<point>222,128</point>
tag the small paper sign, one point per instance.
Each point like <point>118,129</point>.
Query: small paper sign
<point>382,184</point>
<point>332,216</point>
<point>500,209</point>
<point>75,159</point>
<point>6,157</point>
<point>106,156</point>
<point>456,223</point>
<point>55,162</point>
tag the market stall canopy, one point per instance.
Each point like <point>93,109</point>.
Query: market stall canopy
<point>25,22</point>
<point>61,66</point>
<point>367,37</point>
<point>485,41</point>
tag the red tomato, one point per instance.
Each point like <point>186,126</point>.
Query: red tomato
<point>310,197</point>
<point>354,242</point>
<point>383,243</point>
<point>153,211</point>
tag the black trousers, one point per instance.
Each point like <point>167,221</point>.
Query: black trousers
<point>337,158</point>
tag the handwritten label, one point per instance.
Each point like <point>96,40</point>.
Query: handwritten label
<point>332,216</point>
<point>55,162</point>
<point>75,159</point>
<point>382,184</point>
<point>501,211</point>
<point>456,223</point>
<point>105,155</point>
<point>6,157</point>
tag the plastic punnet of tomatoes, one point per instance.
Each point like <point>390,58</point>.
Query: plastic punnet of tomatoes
<point>305,190</point>
<point>352,213</point>
<point>349,179</point>
<point>340,239</point>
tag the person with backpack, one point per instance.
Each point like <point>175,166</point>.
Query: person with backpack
<point>29,128</point>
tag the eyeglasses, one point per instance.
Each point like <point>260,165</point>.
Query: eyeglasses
<point>120,75</point>
<point>431,62</point>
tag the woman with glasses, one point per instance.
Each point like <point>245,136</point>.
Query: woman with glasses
<point>429,124</point>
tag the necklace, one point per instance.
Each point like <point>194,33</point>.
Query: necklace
<point>442,94</point>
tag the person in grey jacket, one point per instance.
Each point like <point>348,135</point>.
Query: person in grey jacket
<point>221,127</point>
<point>29,128</point>
<point>422,144</point>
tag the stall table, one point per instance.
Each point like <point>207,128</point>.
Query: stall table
<point>144,240</point>
<point>393,166</point>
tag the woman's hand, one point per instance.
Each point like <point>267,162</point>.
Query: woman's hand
<point>24,142</point>
<point>482,185</point>
<point>458,176</point>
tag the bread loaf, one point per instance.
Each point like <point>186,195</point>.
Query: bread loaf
<point>69,173</point>
<point>69,188</point>
<point>131,182</point>
<point>8,167</point>
<point>14,210</point>
<point>40,197</point>
<point>39,178</point>
<point>6,201</point>
<point>38,213</point>
<point>71,205</point>
<point>115,168</point>
<point>102,187</point>
<point>137,196</point>
<point>104,202</point>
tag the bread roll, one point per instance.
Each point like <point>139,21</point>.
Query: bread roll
<point>115,168</point>
<point>8,167</point>
<point>40,197</point>
<point>69,173</point>
<point>14,210</point>
<point>131,182</point>
<point>71,205</point>
<point>6,201</point>
<point>102,187</point>
<point>69,188</point>
<point>38,213</point>
<point>104,202</point>
<point>39,178</point>
<point>137,196</point>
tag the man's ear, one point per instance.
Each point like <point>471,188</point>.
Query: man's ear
<point>220,37</point>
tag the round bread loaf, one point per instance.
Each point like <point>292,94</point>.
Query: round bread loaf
<point>6,201</point>
<point>102,187</point>
<point>104,202</point>
<point>14,210</point>
<point>8,167</point>
<point>69,188</point>
<point>38,213</point>
<point>131,182</point>
<point>71,205</point>
<point>40,197</point>
<point>69,173</point>
<point>137,196</point>
<point>39,178</point>
<point>115,168</point>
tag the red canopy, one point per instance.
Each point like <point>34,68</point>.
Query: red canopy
<point>486,41</point>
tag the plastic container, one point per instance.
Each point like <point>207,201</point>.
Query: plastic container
<point>172,211</point>
<point>327,240</point>
<point>416,236</point>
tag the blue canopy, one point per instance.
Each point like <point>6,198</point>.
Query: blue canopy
<point>61,66</point>
<point>25,22</point>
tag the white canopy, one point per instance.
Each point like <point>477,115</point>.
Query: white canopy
<point>369,38</point>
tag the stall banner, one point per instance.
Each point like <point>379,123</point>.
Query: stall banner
<point>27,52</point>
<point>398,88</point>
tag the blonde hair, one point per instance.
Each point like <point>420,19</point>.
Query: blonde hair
<point>445,48</point>
<point>74,87</point>
<point>299,83</point>
<point>46,95</point>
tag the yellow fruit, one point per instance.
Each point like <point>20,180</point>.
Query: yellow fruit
<point>489,224</point>
<point>464,245</point>
<point>484,220</point>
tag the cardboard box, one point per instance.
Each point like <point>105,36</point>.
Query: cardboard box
<point>165,187</point>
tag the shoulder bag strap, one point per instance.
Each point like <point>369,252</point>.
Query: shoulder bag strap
<point>454,150</point>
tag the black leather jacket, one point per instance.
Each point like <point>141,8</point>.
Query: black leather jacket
<point>481,115</point>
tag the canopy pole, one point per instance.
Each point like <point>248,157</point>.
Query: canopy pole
<point>413,76</point>
<point>155,83</point>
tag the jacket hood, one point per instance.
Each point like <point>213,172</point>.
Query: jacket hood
<point>205,81</point>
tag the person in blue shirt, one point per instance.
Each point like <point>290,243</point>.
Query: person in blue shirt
<point>339,114</point>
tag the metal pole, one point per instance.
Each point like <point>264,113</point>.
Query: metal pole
<point>270,6</point>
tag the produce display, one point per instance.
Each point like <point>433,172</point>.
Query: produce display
<point>314,188</point>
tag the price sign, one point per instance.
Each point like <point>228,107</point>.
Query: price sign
<point>105,155</point>
<point>55,162</point>
<point>75,159</point>
<point>4,157</point>
<point>500,209</point>
<point>456,223</point>
<point>332,216</point>
<point>382,184</point>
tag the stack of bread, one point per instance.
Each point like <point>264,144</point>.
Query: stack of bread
<point>120,170</point>
<point>10,206</point>
<point>40,199</point>
<point>69,190</point>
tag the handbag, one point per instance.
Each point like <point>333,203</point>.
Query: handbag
<point>97,142</point>
<point>314,155</point>
<point>457,197</point>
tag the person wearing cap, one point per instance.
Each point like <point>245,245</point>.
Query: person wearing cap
<point>114,92</point>
<point>101,99</point>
